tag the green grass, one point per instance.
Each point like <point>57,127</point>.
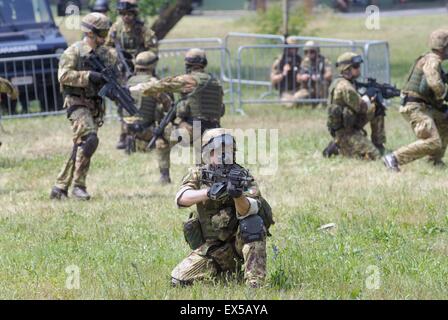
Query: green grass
<point>128,238</point>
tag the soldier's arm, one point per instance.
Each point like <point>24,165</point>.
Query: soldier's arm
<point>190,193</point>
<point>328,71</point>
<point>431,69</point>
<point>352,98</point>
<point>276,74</point>
<point>67,73</point>
<point>179,84</point>
<point>8,88</point>
<point>248,204</point>
<point>151,42</point>
<point>165,101</point>
<point>110,40</point>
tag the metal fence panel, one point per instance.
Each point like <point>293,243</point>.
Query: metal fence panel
<point>36,79</point>
<point>254,69</point>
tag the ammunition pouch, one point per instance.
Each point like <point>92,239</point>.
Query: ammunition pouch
<point>349,118</point>
<point>193,232</point>
<point>252,229</point>
<point>225,223</point>
<point>265,212</point>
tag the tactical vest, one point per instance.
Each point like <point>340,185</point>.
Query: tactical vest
<point>146,105</point>
<point>91,91</point>
<point>131,41</point>
<point>416,81</point>
<point>206,101</point>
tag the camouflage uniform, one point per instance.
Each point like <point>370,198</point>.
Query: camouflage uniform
<point>152,109</point>
<point>288,85</point>
<point>350,136</point>
<point>426,118</point>
<point>203,96</point>
<point>85,108</point>
<point>315,89</point>
<point>133,39</point>
<point>9,89</point>
<point>223,250</point>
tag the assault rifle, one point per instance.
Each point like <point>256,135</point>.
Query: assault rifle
<point>169,117</point>
<point>221,175</point>
<point>382,91</point>
<point>112,88</point>
<point>121,57</point>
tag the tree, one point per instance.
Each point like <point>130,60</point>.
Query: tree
<point>170,16</point>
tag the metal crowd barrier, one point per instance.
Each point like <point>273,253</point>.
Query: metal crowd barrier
<point>254,85</point>
<point>242,61</point>
<point>36,79</point>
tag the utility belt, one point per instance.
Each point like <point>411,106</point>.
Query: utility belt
<point>409,99</point>
<point>405,99</point>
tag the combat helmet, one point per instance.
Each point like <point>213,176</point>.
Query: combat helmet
<point>348,60</point>
<point>146,60</point>
<point>127,5</point>
<point>97,23</point>
<point>101,6</point>
<point>196,57</point>
<point>311,45</point>
<point>438,40</point>
<point>220,140</point>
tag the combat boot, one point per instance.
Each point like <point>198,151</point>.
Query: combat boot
<point>165,176</point>
<point>438,163</point>
<point>381,148</point>
<point>331,150</point>
<point>121,145</point>
<point>80,193</point>
<point>391,162</point>
<point>58,194</point>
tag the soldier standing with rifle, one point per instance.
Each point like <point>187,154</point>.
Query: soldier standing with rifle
<point>229,228</point>
<point>10,90</point>
<point>202,94</point>
<point>130,36</point>
<point>80,86</point>
<point>423,106</point>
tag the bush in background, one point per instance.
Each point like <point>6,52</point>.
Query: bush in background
<point>271,21</point>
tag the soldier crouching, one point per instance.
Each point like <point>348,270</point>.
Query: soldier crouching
<point>232,220</point>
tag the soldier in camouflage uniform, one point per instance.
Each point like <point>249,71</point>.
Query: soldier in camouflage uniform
<point>284,72</point>
<point>315,73</point>
<point>151,109</point>
<point>80,86</point>
<point>349,113</point>
<point>9,89</point>
<point>202,92</point>
<point>218,231</point>
<point>133,36</point>
<point>422,105</point>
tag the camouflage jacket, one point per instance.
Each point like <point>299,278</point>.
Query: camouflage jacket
<point>343,93</point>
<point>133,39</point>
<point>8,88</point>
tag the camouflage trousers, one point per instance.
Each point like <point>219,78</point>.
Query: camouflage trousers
<point>163,147</point>
<point>354,143</point>
<point>209,260</point>
<point>431,129</point>
<point>77,166</point>
<point>319,90</point>
<point>287,99</point>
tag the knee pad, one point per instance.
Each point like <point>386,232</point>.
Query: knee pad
<point>89,144</point>
<point>252,229</point>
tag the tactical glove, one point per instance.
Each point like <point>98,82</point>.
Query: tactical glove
<point>234,190</point>
<point>96,78</point>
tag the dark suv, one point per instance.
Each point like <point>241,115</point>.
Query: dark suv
<point>29,40</point>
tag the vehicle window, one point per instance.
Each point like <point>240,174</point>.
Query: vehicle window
<point>19,12</point>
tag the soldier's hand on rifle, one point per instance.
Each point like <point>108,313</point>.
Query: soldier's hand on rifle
<point>286,69</point>
<point>96,78</point>
<point>234,189</point>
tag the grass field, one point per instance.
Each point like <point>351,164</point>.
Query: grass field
<point>390,242</point>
